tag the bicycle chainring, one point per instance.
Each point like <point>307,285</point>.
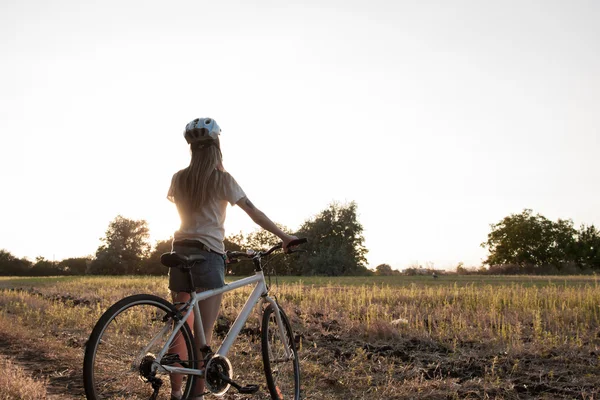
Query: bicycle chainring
<point>216,367</point>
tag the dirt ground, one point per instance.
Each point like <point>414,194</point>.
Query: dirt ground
<point>337,364</point>
<point>419,369</point>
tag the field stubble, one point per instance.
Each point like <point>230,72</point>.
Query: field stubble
<point>400,338</point>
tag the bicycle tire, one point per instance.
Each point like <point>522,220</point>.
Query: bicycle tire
<point>283,375</point>
<point>114,351</point>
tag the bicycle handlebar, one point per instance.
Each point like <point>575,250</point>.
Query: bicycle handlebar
<point>232,255</point>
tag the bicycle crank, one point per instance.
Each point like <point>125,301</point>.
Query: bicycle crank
<point>248,389</point>
<point>219,377</point>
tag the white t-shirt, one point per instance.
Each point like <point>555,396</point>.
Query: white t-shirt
<point>206,223</point>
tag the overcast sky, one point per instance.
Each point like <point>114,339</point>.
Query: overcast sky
<point>437,117</point>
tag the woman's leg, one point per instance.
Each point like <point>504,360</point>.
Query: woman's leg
<point>209,311</point>
<point>178,344</point>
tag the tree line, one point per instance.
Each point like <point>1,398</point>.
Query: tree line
<point>519,243</point>
<point>335,247</point>
<point>531,243</point>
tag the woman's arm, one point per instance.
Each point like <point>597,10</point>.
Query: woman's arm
<point>263,221</point>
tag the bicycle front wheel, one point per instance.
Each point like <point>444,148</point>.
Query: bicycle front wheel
<point>123,346</point>
<point>282,371</point>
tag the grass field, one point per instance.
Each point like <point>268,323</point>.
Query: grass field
<point>455,337</point>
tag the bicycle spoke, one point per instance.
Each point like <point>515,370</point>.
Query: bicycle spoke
<point>123,347</point>
<point>282,370</point>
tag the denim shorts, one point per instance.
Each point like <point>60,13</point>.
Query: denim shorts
<point>209,274</point>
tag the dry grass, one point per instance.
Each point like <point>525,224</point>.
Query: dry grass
<point>16,383</point>
<point>504,338</point>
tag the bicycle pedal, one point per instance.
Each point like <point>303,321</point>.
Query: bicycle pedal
<point>248,389</point>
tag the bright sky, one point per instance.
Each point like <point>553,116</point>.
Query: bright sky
<point>437,117</point>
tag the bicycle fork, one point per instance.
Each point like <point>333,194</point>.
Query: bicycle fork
<point>289,354</point>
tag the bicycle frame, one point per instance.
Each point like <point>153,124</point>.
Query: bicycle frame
<point>260,290</point>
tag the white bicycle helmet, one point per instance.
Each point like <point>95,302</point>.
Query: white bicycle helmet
<point>202,130</point>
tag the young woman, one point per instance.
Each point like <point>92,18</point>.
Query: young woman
<point>201,193</point>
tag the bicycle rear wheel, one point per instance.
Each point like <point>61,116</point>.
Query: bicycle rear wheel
<point>283,373</point>
<point>124,343</point>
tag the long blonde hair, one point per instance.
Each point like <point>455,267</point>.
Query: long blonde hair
<point>200,181</point>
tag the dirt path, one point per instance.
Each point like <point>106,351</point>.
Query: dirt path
<point>40,359</point>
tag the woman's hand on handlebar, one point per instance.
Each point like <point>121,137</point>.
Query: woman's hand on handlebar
<point>289,242</point>
<point>286,240</point>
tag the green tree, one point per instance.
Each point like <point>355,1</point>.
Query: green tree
<point>384,270</point>
<point>587,247</point>
<point>124,248</point>
<point>234,242</point>
<point>74,266</point>
<point>335,243</point>
<point>530,240</point>
<point>152,264</point>
<point>13,266</point>
<point>259,239</point>
<point>237,243</point>
<point>43,267</point>
<point>276,263</point>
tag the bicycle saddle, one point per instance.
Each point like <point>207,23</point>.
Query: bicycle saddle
<point>175,260</point>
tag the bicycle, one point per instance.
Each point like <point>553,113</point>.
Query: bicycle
<point>128,349</point>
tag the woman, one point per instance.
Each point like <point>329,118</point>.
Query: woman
<point>201,193</point>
